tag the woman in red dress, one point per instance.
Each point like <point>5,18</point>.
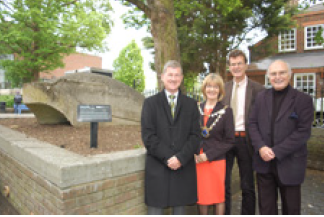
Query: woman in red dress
<point>217,127</point>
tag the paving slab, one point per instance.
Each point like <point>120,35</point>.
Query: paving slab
<point>312,195</point>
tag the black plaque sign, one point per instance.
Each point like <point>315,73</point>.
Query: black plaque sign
<point>94,113</point>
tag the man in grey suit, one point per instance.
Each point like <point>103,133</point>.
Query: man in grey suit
<point>280,125</point>
<point>240,96</point>
<point>171,135</point>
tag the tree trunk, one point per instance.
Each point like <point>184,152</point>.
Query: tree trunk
<point>35,76</point>
<point>164,32</point>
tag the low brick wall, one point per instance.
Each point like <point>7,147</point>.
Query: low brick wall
<point>44,179</point>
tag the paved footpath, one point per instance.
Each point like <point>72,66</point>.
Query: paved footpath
<point>312,195</point>
<point>11,115</point>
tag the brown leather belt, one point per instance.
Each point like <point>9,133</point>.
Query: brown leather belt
<point>240,134</point>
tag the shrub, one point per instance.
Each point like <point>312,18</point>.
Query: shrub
<point>9,99</point>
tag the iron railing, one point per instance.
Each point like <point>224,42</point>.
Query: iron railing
<point>318,100</point>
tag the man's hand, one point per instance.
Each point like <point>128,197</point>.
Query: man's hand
<point>266,153</point>
<point>201,158</point>
<point>174,163</point>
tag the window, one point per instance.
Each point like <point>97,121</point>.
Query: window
<point>267,83</point>
<point>305,83</point>
<point>287,40</point>
<point>310,34</point>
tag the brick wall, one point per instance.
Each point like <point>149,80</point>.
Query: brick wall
<point>269,46</point>
<point>74,62</point>
<point>303,20</point>
<point>31,193</point>
<point>45,179</point>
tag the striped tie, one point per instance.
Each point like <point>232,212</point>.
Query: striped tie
<point>172,104</point>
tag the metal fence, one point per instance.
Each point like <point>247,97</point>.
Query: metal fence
<point>318,100</point>
<point>192,93</point>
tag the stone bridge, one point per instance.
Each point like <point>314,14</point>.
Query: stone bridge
<point>56,101</point>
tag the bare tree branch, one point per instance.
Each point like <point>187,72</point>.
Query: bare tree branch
<point>142,6</point>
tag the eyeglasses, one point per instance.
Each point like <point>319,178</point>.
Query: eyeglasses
<point>237,64</point>
<point>280,73</point>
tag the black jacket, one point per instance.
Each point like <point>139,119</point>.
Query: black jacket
<point>292,129</point>
<point>163,138</point>
<point>221,137</point>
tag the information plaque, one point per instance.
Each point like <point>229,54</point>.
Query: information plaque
<point>94,113</point>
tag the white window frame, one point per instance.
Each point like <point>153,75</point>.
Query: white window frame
<point>280,40</point>
<point>267,83</point>
<point>305,38</point>
<point>296,75</point>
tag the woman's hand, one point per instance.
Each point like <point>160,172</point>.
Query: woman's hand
<point>201,158</point>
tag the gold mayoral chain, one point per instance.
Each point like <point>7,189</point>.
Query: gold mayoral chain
<point>204,129</point>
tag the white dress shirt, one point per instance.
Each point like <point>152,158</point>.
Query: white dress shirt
<point>167,93</point>
<point>240,116</point>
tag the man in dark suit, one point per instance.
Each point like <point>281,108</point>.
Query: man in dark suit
<point>280,125</point>
<point>239,95</point>
<point>171,135</point>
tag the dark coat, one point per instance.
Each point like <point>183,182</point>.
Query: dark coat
<point>252,89</point>
<point>163,138</point>
<point>221,137</point>
<point>292,129</point>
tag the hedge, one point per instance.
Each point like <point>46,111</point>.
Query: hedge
<point>9,99</point>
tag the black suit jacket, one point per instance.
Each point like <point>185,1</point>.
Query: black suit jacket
<point>252,89</point>
<point>221,137</point>
<point>292,129</point>
<point>163,138</point>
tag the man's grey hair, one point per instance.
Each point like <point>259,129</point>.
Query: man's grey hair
<point>280,60</point>
<point>173,64</point>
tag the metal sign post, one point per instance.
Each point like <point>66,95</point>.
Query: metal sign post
<point>94,114</point>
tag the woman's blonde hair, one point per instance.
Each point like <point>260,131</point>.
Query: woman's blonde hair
<point>213,78</point>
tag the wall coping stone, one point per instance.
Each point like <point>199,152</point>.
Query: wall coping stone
<point>64,168</point>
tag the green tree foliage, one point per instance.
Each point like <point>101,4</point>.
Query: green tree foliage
<point>208,29</point>
<point>128,67</point>
<point>41,32</point>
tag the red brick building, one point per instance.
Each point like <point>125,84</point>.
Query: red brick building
<point>299,48</point>
<point>74,62</point>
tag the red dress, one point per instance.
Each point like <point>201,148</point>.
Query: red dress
<point>211,178</point>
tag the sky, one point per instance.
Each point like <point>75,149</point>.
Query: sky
<point>120,37</point>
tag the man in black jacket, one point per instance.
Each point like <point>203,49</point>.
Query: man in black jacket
<point>171,135</point>
<point>280,125</point>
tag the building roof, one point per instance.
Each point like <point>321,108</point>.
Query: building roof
<point>317,7</point>
<point>296,60</point>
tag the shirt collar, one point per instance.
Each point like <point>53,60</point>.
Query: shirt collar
<point>241,83</point>
<point>167,93</point>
